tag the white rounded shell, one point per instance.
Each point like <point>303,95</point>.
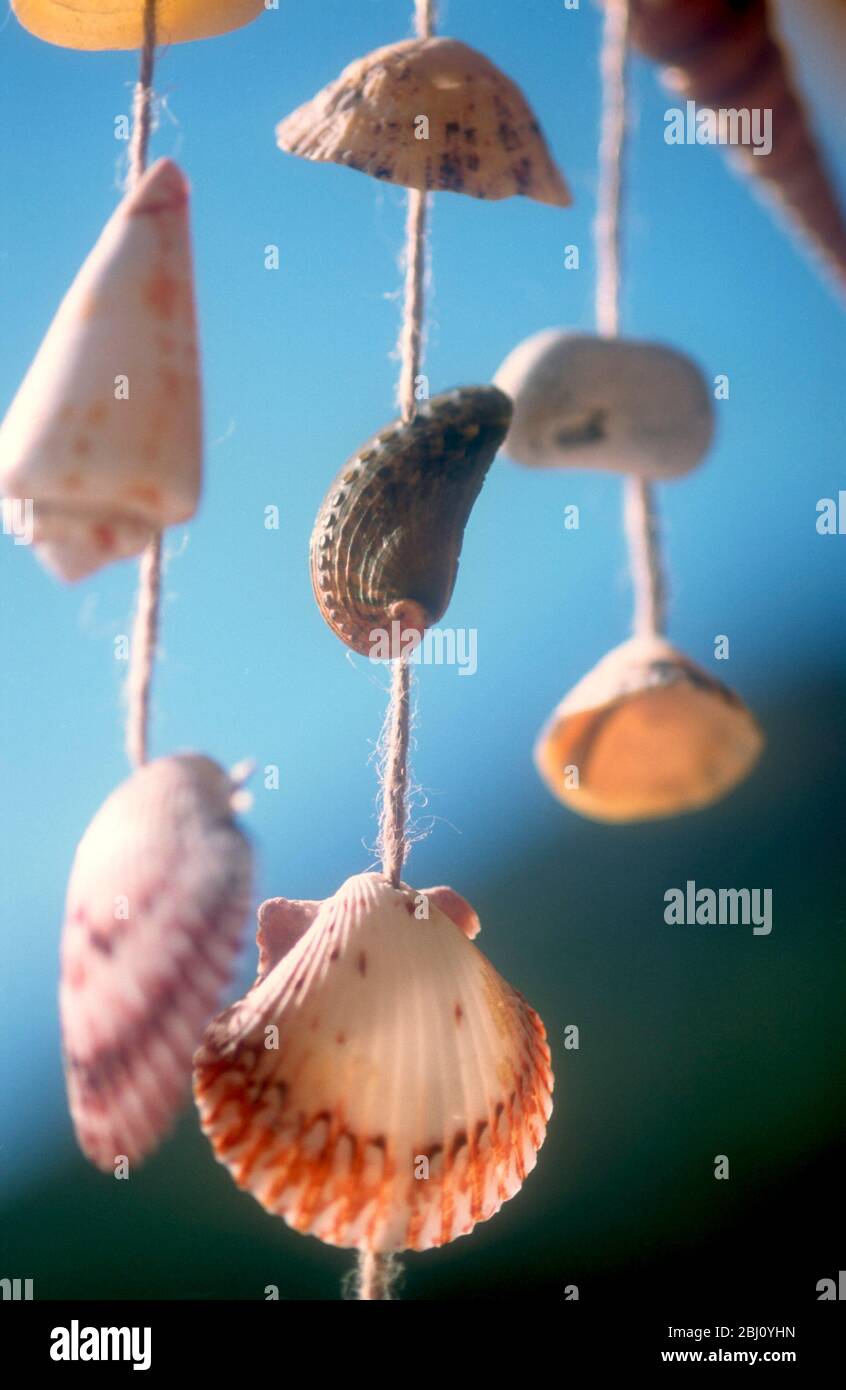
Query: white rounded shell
<point>158,896</point>
<point>381,1086</point>
<point>586,402</point>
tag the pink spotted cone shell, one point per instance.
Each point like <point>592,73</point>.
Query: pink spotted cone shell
<point>104,437</point>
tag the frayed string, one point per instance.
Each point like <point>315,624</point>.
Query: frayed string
<point>375,1278</point>
<point>376,1275</point>
<point>148,603</point>
<point>642,523</point>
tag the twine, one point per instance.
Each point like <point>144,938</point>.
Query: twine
<point>414,258</point>
<point>148,602</point>
<point>642,523</point>
<point>394,744</point>
<point>377,1277</point>
<point>393,835</point>
<point>377,1273</point>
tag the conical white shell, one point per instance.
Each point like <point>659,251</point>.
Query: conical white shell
<point>105,433</point>
<point>379,1048</point>
<point>158,897</point>
<point>587,402</point>
<point>480,136</point>
<point>650,733</point>
<point>95,24</point>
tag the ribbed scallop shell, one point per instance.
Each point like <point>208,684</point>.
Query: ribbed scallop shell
<point>157,901</point>
<point>651,735</point>
<point>387,538</point>
<point>397,1046</point>
<point>726,55</point>
<point>98,24</point>
<point>587,402</point>
<point>482,138</point>
<point>105,432</point>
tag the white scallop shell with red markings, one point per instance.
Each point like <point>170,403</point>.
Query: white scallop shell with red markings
<point>381,1086</point>
<point>158,896</point>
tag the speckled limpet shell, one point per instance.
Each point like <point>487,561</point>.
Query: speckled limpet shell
<point>431,114</point>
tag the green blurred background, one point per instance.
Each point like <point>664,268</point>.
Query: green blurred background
<point>694,1041</point>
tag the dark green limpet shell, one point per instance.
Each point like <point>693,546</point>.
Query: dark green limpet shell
<point>388,536</point>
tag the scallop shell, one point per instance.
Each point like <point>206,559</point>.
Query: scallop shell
<point>157,902</point>
<point>90,24</point>
<point>727,56</point>
<point>380,1047</point>
<point>387,538</point>
<point>105,469</point>
<point>588,402</point>
<point>482,138</point>
<point>651,735</point>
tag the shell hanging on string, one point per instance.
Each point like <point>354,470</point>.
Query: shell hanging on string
<point>645,734</point>
<point>387,539</point>
<point>587,402</point>
<point>90,24</point>
<point>381,1086</point>
<point>104,436</point>
<point>431,114</point>
<point>158,898</point>
<point>726,56</point>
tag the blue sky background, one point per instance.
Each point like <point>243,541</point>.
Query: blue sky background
<point>297,374</point>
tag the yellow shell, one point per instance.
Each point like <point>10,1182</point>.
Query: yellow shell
<point>93,24</point>
<point>647,733</point>
<point>430,114</point>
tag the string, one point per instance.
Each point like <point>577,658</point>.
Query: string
<point>146,625</point>
<point>393,837</point>
<point>377,1277</point>
<point>414,257</point>
<point>642,524</point>
<point>396,736</point>
<point>376,1273</point>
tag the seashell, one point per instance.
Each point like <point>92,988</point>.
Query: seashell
<point>105,432</point>
<point>90,24</point>
<point>481,139</point>
<point>158,897</point>
<point>651,734</point>
<point>381,1086</point>
<point>729,56</point>
<point>587,402</point>
<point>387,538</point>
